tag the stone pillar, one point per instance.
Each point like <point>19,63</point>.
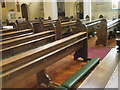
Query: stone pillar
<point>50,9</point>
<point>70,8</point>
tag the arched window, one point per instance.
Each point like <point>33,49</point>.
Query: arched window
<point>115,4</point>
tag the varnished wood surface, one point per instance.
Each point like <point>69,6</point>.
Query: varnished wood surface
<point>13,50</point>
<point>102,73</point>
<point>55,51</point>
<point>15,33</point>
<point>19,40</point>
<point>113,82</point>
<point>7,30</point>
<point>18,36</point>
<point>63,69</point>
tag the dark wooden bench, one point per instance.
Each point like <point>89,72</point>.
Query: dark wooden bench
<point>69,28</point>
<point>91,25</point>
<point>103,32</point>
<point>71,81</point>
<point>17,36</point>
<point>25,64</point>
<point>35,25</point>
<point>11,22</point>
<point>15,33</point>
<point>112,27</point>
<point>26,46</point>
<point>20,40</point>
<point>15,46</point>
<point>8,30</point>
<point>40,25</point>
<point>22,25</point>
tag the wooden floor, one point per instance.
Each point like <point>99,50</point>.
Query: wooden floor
<point>63,69</point>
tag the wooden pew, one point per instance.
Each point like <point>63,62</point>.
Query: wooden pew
<point>49,25</point>
<point>91,25</point>
<point>102,73</point>
<point>40,25</point>
<point>15,46</point>
<point>13,50</point>
<point>11,22</point>
<point>23,65</point>
<point>17,36</point>
<point>104,30</point>
<point>17,41</point>
<point>24,28</point>
<point>12,47</point>
<point>15,33</point>
<point>69,28</point>
<point>37,25</point>
<point>22,25</point>
<point>8,30</point>
<point>113,26</point>
<point>72,27</point>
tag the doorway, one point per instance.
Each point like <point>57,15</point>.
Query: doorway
<point>24,11</point>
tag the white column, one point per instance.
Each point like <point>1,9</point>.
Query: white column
<point>87,8</point>
<point>69,8</point>
<point>50,9</point>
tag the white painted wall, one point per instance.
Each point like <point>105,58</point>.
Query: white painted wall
<point>69,9</point>
<point>104,8</point>
<point>34,9</point>
<point>50,9</point>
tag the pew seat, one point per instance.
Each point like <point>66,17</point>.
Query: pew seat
<point>70,82</point>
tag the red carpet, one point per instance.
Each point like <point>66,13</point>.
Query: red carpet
<point>98,52</point>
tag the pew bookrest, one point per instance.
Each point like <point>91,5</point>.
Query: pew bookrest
<point>70,82</point>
